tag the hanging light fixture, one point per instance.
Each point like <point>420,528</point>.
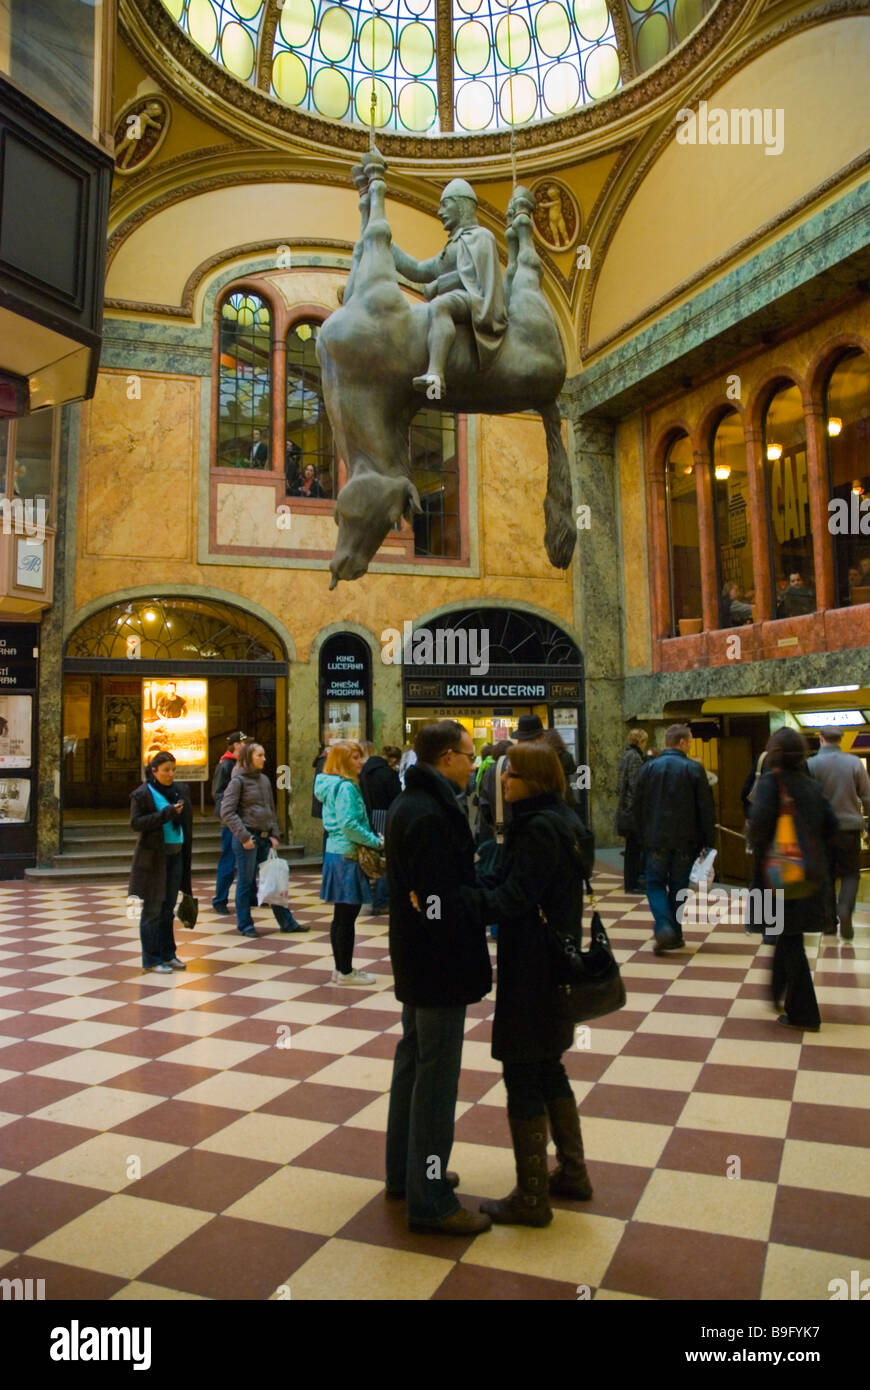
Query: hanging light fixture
<point>858,488</point>
<point>774,452</point>
<point>835,426</point>
<point>723,472</point>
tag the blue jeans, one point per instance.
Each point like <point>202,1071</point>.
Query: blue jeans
<point>247,863</point>
<point>380,896</point>
<point>423,1109</point>
<point>226,869</point>
<point>667,874</point>
<point>156,919</point>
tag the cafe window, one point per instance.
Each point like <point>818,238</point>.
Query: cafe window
<point>245,385</point>
<point>309,443</point>
<point>433,451</point>
<point>788,491</point>
<point>731,516</point>
<point>847,430</point>
<point>683,538</point>
<point>27,467</point>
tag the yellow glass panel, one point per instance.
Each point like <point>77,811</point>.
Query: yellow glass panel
<point>640,5</point>
<point>246,9</point>
<point>518,99</point>
<point>562,89</point>
<point>176,6</point>
<point>416,49</point>
<point>513,41</point>
<point>472,47</point>
<point>331,93</point>
<point>653,41</point>
<point>202,24</point>
<point>687,16</point>
<point>335,34</point>
<point>421,6</point>
<point>474,105</point>
<point>417,106</point>
<point>375,44</point>
<point>303,331</point>
<point>469,6</point>
<point>553,29</point>
<point>296,22</point>
<point>229,311</point>
<point>602,71</point>
<point>237,51</point>
<point>289,78</point>
<point>245,315</point>
<point>383,101</point>
<point>592,19</point>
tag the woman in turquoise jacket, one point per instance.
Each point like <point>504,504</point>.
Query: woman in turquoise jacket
<point>347,827</point>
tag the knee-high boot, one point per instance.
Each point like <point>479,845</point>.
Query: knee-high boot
<point>529,1203</point>
<point>570,1178</point>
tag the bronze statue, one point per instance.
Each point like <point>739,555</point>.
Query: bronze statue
<point>477,346</point>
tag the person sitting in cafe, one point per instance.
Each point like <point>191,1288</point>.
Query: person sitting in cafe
<point>733,612</point>
<point>796,598</point>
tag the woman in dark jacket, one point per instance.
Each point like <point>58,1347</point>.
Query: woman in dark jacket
<point>630,765</point>
<point>160,811</point>
<point>248,808</point>
<point>380,785</point>
<point>542,873</point>
<point>804,900</point>
<point>554,740</point>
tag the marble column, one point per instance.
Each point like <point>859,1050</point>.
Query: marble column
<point>598,612</point>
<point>49,826</point>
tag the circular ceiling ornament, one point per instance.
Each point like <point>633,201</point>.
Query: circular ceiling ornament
<point>140,129</point>
<point>556,216</point>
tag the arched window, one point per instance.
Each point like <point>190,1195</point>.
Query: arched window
<point>309,443</point>
<point>245,385</point>
<point>731,515</point>
<point>847,426</point>
<point>683,538</point>
<point>791,537</point>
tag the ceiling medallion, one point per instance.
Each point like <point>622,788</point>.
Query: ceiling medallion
<point>140,130</point>
<point>556,217</point>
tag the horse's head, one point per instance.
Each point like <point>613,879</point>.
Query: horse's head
<point>367,506</point>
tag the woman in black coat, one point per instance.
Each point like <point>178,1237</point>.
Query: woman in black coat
<point>630,765</point>
<point>543,873</point>
<point>160,811</point>
<point>804,901</point>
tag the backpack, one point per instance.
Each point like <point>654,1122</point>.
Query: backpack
<point>785,866</point>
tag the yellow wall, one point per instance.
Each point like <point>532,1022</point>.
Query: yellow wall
<point>635,584</point>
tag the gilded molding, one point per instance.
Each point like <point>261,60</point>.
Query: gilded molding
<point>263,67</point>
<point>444,61</point>
<point>624,42</point>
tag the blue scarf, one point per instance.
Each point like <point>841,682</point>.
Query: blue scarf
<point>172,833</point>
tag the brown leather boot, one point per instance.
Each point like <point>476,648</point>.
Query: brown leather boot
<point>529,1203</point>
<point>570,1178</point>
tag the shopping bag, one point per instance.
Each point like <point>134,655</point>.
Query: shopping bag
<point>274,881</point>
<point>703,868</point>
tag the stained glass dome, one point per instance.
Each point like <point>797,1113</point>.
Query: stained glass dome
<point>379,62</point>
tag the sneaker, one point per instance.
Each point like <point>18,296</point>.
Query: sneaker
<point>176,964</point>
<point>160,969</point>
<point>353,977</point>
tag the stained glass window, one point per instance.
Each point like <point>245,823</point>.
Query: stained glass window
<point>309,433</point>
<point>659,25</point>
<point>245,403</point>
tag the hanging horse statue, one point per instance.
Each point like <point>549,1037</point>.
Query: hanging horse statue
<point>477,345</point>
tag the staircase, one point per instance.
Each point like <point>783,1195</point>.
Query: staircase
<point>101,851</point>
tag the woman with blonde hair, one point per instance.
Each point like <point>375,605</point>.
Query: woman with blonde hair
<point>347,827</point>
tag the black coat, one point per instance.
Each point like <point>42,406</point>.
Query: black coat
<point>439,953</point>
<point>148,871</point>
<point>316,804</point>
<point>673,805</point>
<point>816,826</point>
<point>379,784</point>
<point>540,872</point>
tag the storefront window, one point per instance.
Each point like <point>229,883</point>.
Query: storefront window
<point>683,537</point>
<point>847,428</point>
<point>435,474</point>
<point>52,50</point>
<point>309,433</point>
<point>791,537</point>
<point>731,512</point>
<point>245,399</point>
<point>26,468</point>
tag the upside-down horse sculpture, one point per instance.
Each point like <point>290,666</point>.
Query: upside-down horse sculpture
<point>477,345</point>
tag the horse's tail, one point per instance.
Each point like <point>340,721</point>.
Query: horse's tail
<point>560,534</point>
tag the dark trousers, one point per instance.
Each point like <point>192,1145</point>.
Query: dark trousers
<point>226,869</point>
<point>845,865</point>
<point>423,1109</point>
<point>667,876</point>
<point>156,931</point>
<point>342,935</point>
<point>247,863</point>
<point>791,981</point>
<point>633,862</point>
<point>531,1086</point>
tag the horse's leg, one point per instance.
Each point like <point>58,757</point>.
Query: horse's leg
<point>360,178</point>
<point>560,533</point>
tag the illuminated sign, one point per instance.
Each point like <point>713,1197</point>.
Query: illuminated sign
<point>841,718</point>
<point>175,720</point>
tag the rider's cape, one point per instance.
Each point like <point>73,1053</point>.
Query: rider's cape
<point>478,268</point>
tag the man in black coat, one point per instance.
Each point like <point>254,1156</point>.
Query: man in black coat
<point>675,820</point>
<point>440,965</point>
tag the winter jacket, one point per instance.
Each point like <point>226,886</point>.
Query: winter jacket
<point>248,804</point>
<point>316,807</point>
<point>379,784</point>
<point>344,815</point>
<point>222,774</point>
<point>541,872</point>
<point>629,769</point>
<point>673,804</point>
<point>844,781</point>
<point>816,827</point>
<point>148,870</point>
<point>439,952</point>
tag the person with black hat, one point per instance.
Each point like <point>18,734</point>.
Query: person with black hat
<point>844,781</point>
<point>226,869</point>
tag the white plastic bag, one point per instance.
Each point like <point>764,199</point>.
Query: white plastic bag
<point>703,868</point>
<point>274,882</point>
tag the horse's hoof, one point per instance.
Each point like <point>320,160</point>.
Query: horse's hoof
<point>333,583</point>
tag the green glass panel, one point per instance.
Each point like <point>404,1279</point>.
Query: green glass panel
<point>296,22</point>
<point>416,49</point>
<point>237,51</point>
<point>174,7</point>
<point>687,16</point>
<point>336,34</point>
<point>641,6</point>
<point>202,24</point>
<point>289,78</point>
<point>518,99</point>
<point>246,9</point>
<point>653,41</point>
<point>562,89</point>
<point>331,93</point>
<point>375,44</point>
<point>472,47</point>
<point>513,41</point>
<point>474,106</point>
<point>417,106</point>
<point>553,30</point>
<point>592,18</point>
<point>602,71</point>
<point>383,101</point>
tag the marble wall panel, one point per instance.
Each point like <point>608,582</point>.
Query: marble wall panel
<point>512,487</point>
<point>632,501</point>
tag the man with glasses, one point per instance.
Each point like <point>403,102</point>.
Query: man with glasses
<point>440,966</point>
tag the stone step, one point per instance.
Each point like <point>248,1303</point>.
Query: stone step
<point>64,872</point>
<point>206,856</point>
<point>96,831</point>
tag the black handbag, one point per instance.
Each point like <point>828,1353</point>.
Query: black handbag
<point>187,910</point>
<point>588,983</point>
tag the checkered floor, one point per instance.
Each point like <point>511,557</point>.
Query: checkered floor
<point>219,1134</point>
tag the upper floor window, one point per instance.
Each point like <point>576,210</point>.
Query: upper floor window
<point>27,466</point>
<point>683,535</point>
<point>434,459</point>
<point>847,428</point>
<point>309,462</point>
<point>245,386</point>
<point>791,538</point>
<point>731,517</point>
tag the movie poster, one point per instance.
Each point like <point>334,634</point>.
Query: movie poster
<point>15,724</point>
<point>175,720</point>
<point>14,800</point>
